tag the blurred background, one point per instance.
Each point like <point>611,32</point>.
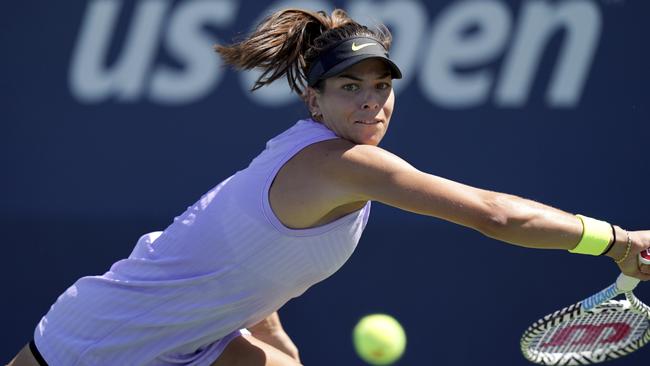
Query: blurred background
<point>117,115</point>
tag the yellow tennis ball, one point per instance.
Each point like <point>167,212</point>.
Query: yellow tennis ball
<point>379,339</point>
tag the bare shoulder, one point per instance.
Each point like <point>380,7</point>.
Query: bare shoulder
<point>351,173</point>
<point>327,180</point>
<point>334,174</point>
<point>324,168</point>
<point>341,156</point>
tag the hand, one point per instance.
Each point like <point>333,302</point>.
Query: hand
<point>631,266</point>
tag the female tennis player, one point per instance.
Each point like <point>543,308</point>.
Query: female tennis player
<point>206,290</point>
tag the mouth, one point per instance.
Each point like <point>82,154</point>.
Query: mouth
<point>368,122</point>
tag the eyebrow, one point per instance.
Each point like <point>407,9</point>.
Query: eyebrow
<point>356,78</point>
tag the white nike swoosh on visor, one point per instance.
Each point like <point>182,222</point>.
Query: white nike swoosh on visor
<point>357,48</point>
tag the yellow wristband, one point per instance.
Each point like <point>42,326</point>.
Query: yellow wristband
<point>596,236</point>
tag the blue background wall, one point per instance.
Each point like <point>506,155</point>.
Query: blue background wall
<point>97,148</point>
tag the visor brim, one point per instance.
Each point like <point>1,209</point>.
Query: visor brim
<point>396,73</point>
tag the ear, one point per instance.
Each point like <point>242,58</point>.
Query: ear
<point>311,97</point>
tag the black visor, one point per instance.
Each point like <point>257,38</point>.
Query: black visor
<point>346,54</point>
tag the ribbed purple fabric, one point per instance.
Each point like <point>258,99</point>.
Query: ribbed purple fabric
<point>223,265</point>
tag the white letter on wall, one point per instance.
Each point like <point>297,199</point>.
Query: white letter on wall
<point>464,36</point>
<point>540,20</point>
<point>188,43</point>
<point>408,22</point>
<point>92,82</point>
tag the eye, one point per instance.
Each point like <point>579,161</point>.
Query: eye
<point>350,87</point>
<point>383,86</point>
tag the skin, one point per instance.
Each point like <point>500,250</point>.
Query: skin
<point>357,104</point>
<point>333,178</point>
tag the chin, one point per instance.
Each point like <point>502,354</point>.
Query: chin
<point>373,140</point>
<point>369,138</point>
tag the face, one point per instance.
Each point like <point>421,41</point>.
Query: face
<point>356,104</point>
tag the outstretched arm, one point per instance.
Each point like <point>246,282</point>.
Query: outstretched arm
<point>363,172</point>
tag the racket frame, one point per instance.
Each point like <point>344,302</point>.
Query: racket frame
<point>599,302</point>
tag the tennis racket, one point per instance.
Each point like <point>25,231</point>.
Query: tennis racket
<point>594,330</point>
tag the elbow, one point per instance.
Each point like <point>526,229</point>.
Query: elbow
<point>497,215</point>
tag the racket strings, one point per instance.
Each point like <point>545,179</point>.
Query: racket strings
<point>598,331</point>
<point>575,336</point>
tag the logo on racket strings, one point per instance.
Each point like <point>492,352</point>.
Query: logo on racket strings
<point>589,334</point>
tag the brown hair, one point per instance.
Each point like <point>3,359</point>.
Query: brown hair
<point>288,42</point>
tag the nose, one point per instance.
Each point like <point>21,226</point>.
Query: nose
<point>370,102</point>
<point>370,106</point>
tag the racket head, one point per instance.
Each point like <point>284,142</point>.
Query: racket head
<point>575,336</point>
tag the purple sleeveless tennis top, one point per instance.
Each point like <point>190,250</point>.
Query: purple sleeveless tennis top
<point>224,264</point>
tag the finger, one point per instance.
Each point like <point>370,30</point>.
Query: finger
<point>637,273</point>
<point>640,275</point>
<point>644,268</point>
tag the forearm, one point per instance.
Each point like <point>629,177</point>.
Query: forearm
<point>531,224</point>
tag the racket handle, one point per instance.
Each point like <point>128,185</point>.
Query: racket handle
<point>623,284</point>
<point>626,283</point>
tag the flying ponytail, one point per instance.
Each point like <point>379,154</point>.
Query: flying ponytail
<point>288,41</point>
